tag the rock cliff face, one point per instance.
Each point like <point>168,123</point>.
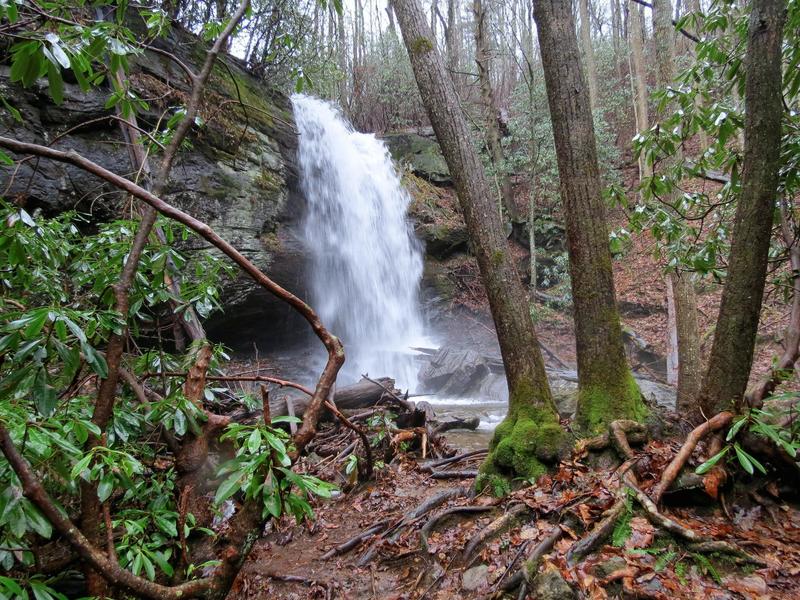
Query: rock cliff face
<point>239,174</point>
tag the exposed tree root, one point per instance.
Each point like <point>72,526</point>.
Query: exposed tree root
<point>531,561</point>
<point>619,439</point>
<point>471,474</point>
<point>440,516</point>
<point>716,423</point>
<point>429,467</point>
<point>395,530</point>
<point>635,432</point>
<point>699,542</point>
<point>599,533</point>
<point>436,500</point>
<point>356,540</point>
<point>492,529</point>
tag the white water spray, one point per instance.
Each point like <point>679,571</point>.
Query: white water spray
<point>366,263</point>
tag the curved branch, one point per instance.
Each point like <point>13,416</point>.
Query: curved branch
<point>717,422</point>
<point>33,491</point>
<point>331,342</point>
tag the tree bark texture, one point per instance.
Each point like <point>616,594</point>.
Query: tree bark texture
<point>639,79</point>
<point>732,351</point>
<point>483,59</point>
<point>530,435</point>
<point>606,388</point>
<point>588,53</point>
<point>681,284</point>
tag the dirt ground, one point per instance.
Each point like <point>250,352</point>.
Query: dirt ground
<point>637,560</point>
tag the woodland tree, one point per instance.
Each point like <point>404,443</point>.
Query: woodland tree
<point>682,300</point>
<point>588,52</point>
<point>606,388</point>
<point>530,437</point>
<point>734,339</point>
<point>490,110</point>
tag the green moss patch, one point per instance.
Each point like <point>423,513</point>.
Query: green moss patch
<point>599,405</point>
<point>525,444</point>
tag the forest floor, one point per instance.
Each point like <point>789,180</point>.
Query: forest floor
<point>374,541</point>
<point>637,559</point>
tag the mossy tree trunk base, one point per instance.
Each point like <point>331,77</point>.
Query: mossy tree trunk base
<point>598,406</point>
<point>525,445</point>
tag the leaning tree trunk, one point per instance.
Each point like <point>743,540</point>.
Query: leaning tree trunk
<point>606,388</point>
<point>681,285</point>
<point>734,339</point>
<point>530,436</point>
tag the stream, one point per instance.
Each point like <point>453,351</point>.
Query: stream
<point>365,270</point>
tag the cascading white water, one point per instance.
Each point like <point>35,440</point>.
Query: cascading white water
<point>366,263</point>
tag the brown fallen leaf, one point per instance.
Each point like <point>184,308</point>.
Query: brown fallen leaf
<point>642,532</point>
<point>714,480</point>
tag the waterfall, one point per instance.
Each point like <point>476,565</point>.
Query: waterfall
<point>366,263</point>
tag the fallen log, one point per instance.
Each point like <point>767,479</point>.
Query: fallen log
<point>363,394</point>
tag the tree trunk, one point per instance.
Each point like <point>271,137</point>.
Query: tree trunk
<point>491,113</point>
<point>606,388</point>
<point>451,38</point>
<point>342,55</point>
<point>390,14</point>
<point>698,99</point>
<point>672,336</point>
<point>734,339</point>
<point>687,332</point>
<point>639,79</point>
<point>681,285</point>
<point>588,54</point>
<point>530,436</point>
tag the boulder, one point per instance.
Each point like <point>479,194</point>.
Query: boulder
<point>475,578</point>
<point>450,372</point>
<point>550,585</point>
<point>420,154</point>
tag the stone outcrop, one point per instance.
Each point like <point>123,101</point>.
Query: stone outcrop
<point>420,154</point>
<point>238,175</point>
